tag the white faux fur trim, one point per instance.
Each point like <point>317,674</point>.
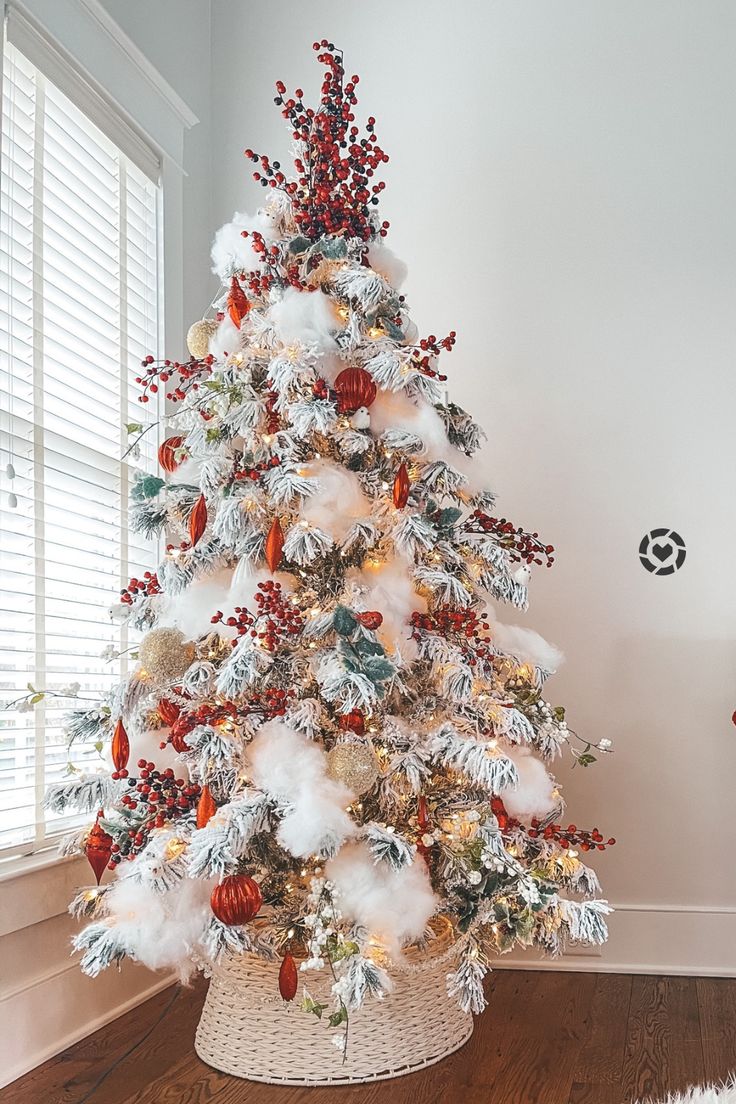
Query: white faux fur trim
<point>708,1094</point>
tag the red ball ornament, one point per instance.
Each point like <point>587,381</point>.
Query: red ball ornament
<point>288,978</point>
<point>236,900</point>
<point>371,619</point>
<point>354,721</point>
<point>120,747</point>
<point>98,849</point>
<point>355,388</point>
<point>167,450</point>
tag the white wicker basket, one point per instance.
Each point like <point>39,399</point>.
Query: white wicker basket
<point>248,1031</point>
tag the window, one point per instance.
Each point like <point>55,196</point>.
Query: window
<point>78,311</point>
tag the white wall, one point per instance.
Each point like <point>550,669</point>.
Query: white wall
<point>561,186</point>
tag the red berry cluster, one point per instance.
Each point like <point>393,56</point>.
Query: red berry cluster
<point>464,625</point>
<point>207,713</point>
<point>585,840</point>
<point>430,347</point>
<point>160,798</point>
<point>255,473</point>
<point>320,390</point>
<point>275,620</point>
<point>190,373</point>
<point>522,546</point>
<point>332,193</point>
<point>140,588</point>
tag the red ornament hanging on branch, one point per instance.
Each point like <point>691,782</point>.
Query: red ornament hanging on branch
<point>167,453</point>
<point>98,848</point>
<point>206,806</point>
<point>355,387</point>
<point>237,303</point>
<point>120,747</point>
<point>236,900</point>
<point>401,487</point>
<point>168,711</point>
<point>274,544</point>
<point>288,977</point>
<point>354,721</point>
<point>198,520</point>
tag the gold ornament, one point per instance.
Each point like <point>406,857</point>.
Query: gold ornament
<point>166,654</point>
<point>199,336</point>
<point>354,764</point>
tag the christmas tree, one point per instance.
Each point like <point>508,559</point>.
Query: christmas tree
<point>350,745</point>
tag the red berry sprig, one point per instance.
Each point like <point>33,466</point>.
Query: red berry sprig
<point>526,547</point>
<point>140,588</point>
<point>430,347</point>
<point>190,374</point>
<point>275,621</point>
<point>467,627</point>
<point>157,798</point>
<point>565,837</point>
<point>255,473</point>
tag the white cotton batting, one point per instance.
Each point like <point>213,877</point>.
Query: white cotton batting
<point>231,252</point>
<point>305,318</point>
<point>524,644</point>
<point>293,769</point>
<point>226,340</point>
<point>388,588</point>
<point>338,503</point>
<point>393,905</point>
<point>160,928</point>
<point>385,262</point>
<point>535,793</point>
<point>191,610</point>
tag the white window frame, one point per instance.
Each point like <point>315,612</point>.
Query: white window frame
<point>79,47</point>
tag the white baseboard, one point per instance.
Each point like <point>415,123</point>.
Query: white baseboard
<point>685,940</point>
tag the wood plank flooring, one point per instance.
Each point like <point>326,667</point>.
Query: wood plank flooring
<point>546,1038</point>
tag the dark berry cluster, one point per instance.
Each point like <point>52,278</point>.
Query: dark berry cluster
<point>140,588</point>
<point>333,192</point>
<point>187,374</point>
<point>466,626</point>
<point>526,547</point>
<point>275,620</point>
<point>156,798</point>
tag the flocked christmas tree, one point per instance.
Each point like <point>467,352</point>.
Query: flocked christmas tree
<point>350,743</point>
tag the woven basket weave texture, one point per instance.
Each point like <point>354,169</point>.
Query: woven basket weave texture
<point>248,1031</point>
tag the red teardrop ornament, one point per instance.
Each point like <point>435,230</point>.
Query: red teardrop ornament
<point>206,806</point>
<point>237,302</point>
<point>401,487</point>
<point>274,544</point>
<point>198,520</point>
<point>98,849</point>
<point>355,387</point>
<point>120,747</point>
<point>167,450</point>
<point>236,900</point>
<point>288,978</point>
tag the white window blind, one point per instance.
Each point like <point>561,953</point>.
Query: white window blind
<point>78,311</point>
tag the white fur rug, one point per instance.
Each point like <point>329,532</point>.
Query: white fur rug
<point>709,1094</point>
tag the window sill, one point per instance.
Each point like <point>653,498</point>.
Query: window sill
<point>17,866</point>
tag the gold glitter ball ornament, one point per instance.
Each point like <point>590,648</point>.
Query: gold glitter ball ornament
<point>199,336</point>
<point>353,764</point>
<point>166,654</point>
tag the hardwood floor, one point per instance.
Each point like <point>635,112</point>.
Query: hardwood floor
<point>546,1038</point>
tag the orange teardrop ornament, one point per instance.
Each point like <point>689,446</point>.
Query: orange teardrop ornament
<point>98,849</point>
<point>120,746</point>
<point>237,303</point>
<point>198,520</point>
<point>274,544</point>
<point>288,978</point>
<point>401,487</point>
<point>206,807</point>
